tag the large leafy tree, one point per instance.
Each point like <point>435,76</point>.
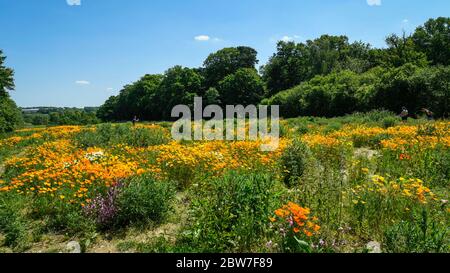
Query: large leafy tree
<point>433,38</point>
<point>179,86</point>
<point>286,68</point>
<point>227,61</point>
<point>10,115</point>
<point>244,87</point>
<point>401,50</point>
<point>295,63</point>
<point>6,75</point>
<point>108,111</point>
<point>136,99</point>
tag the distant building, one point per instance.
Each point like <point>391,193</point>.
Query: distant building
<point>30,110</point>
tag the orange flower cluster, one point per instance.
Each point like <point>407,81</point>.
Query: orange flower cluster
<point>30,134</point>
<point>298,218</point>
<point>212,156</point>
<point>393,138</point>
<point>403,157</point>
<point>59,170</point>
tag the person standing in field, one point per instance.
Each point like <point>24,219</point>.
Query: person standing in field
<point>135,120</point>
<point>404,114</point>
<point>429,114</point>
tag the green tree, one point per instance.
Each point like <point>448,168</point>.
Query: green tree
<point>107,112</point>
<point>243,87</point>
<point>6,75</point>
<point>212,96</point>
<point>401,51</point>
<point>286,68</point>
<point>10,115</point>
<point>433,39</point>
<point>295,63</point>
<point>179,86</point>
<point>227,61</point>
<point>136,99</point>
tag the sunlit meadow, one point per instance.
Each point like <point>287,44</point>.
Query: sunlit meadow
<point>333,185</point>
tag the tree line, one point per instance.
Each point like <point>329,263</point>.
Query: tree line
<point>60,116</point>
<point>327,76</point>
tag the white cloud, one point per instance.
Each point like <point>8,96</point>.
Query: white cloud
<point>207,38</point>
<point>374,2</point>
<point>202,38</point>
<point>83,82</point>
<point>109,89</point>
<point>73,2</point>
<point>288,38</point>
<point>405,21</point>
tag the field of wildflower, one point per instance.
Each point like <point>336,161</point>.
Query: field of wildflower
<point>333,185</point>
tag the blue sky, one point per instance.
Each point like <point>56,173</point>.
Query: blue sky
<point>80,52</point>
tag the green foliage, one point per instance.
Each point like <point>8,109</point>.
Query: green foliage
<point>419,235</point>
<point>60,116</point>
<point>295,63</point>
<point>231,213</point>
<point>346,92</point>
<point>179,86</point>
<point>212,96</point>
<point>6,76</point>
<point>154,96</point>
<point>326,77</point>
<point>433,39</point>
<point>401,51</point>
<point>37,119</point>
<point>389,122</point>
<point>245,86</point>
<point>10,115</point>
<point>333,95</point>
<point>293,161</point>
<point>12,223</point>
<point>286,68</point>
<point>60,216</point>
<point>144,200</point>
<point>227,61</point>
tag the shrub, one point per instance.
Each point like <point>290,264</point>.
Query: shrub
<point>60,216</point>
<point>144,200</point>
<point>12,224</point>
<point>332,127</point>
<point>294,161</point>
<point>231,213</point>
<point>389,122</point>
<point>419,235</point>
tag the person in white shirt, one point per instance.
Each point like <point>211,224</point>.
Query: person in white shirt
<point>404,114</point>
